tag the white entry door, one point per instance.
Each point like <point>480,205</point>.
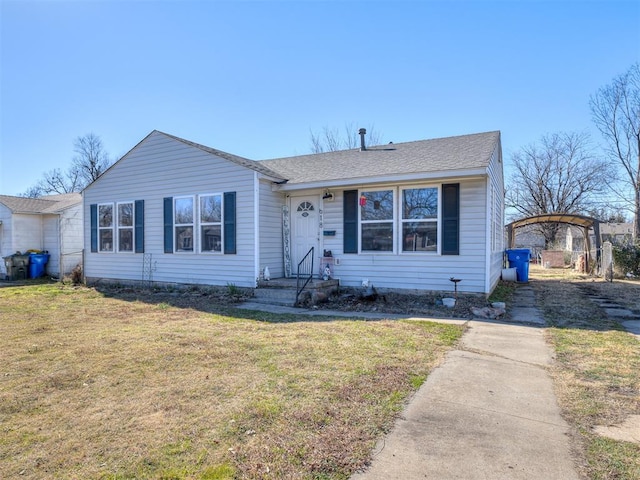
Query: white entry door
<point>305,229</point>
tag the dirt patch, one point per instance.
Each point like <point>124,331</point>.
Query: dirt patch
<point>423,305</point>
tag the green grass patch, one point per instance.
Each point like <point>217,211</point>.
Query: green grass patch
<point>127,384</point>
<point>503,292</point>
<point>597,379</point>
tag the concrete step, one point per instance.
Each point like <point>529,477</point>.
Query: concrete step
<point>275,296</point>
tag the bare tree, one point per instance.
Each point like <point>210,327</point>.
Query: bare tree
<point>332,139</point>
<point>558,175</point>
<point>91,159</point>
<point>616,112</point>
<point>89,163</point>
<point>608,214</point>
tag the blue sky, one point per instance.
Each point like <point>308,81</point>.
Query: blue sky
<point>253,78</point>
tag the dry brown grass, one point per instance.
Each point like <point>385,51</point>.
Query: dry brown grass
<point>597,375</point>
<point>113,387</point>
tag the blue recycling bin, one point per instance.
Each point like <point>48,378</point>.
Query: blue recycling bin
<point>519,259</point>
<point>37,263</point>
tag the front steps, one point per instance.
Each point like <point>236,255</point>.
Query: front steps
<point>282,291</point>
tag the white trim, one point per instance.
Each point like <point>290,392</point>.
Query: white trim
<point>437,220</point>
<point>116,240</point>
<point>392,221</point>
<point>199,224</point>
<point>113,223</point>
<point>256,225</point>
<point>317,202</point>
<point>194,230</point>
<point>441,176</point>
<point>488,254</point>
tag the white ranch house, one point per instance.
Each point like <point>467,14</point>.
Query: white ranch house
<point>403,216</point>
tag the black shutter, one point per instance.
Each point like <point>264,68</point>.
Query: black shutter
<point>94,227</point>
<point>350,214</point>
<point>229,222</point>
<point>168,225</point>
<point>139,226</point>
<point>451,219</point>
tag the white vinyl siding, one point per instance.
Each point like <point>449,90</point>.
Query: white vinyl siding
<point>496,222</point>
<point>271,236</point>
<point>70,225</point>
<point>161,167</point>
<point>411,271</point>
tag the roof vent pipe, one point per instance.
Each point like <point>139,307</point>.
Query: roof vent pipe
<point>362,132</point>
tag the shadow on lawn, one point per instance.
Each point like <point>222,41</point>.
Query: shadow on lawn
<point>213,300</point>
<point>567,303</point>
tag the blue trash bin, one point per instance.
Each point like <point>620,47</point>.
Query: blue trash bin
<point>37,263</point>
<point>519,259</point>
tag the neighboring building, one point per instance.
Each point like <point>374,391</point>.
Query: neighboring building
<point>530,237</point>
<point>616,233</point>
<point>52,223</point>
<point>404,216</point>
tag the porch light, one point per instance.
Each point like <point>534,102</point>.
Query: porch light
<point>327,195</point>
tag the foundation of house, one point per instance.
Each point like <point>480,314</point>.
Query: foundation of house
<point>282,291</point>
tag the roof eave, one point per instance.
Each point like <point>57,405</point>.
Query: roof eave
<point>398,178</point>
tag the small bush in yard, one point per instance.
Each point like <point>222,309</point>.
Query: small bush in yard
<point>626,259</point>
<point>76,275</point>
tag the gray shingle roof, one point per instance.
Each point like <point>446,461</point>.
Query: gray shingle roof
<point>426,156</point>
<point>46,204</point>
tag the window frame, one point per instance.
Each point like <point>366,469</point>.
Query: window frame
<point>191,224</point>
<point>100,228</point>
<point>132,227</point>
<point>392,221</point>
<point>437,220</point>
<point>202,224</point>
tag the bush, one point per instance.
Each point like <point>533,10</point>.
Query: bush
<point>76,275</point>
<point>626,259</point>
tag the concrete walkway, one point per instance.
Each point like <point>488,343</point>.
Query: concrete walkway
<point>488,412</point>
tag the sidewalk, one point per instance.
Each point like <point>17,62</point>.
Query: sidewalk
<point>488,412</point>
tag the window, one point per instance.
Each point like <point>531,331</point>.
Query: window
<point>195,223</point>
<point>420,219</point>
<point>376,220</point>
<point>183,224</point>
<point>117,227</point>
<point>210,223</point>
<point>423,219</point>
<point>125,227</point>
<point>105,227</point>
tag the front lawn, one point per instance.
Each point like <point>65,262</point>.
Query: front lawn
<point>95,386</point>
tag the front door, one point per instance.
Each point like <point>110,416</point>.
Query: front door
<point>305,228</point>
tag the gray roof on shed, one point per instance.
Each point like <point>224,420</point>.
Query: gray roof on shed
<point>47,204</point>
<point>448,154</point>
